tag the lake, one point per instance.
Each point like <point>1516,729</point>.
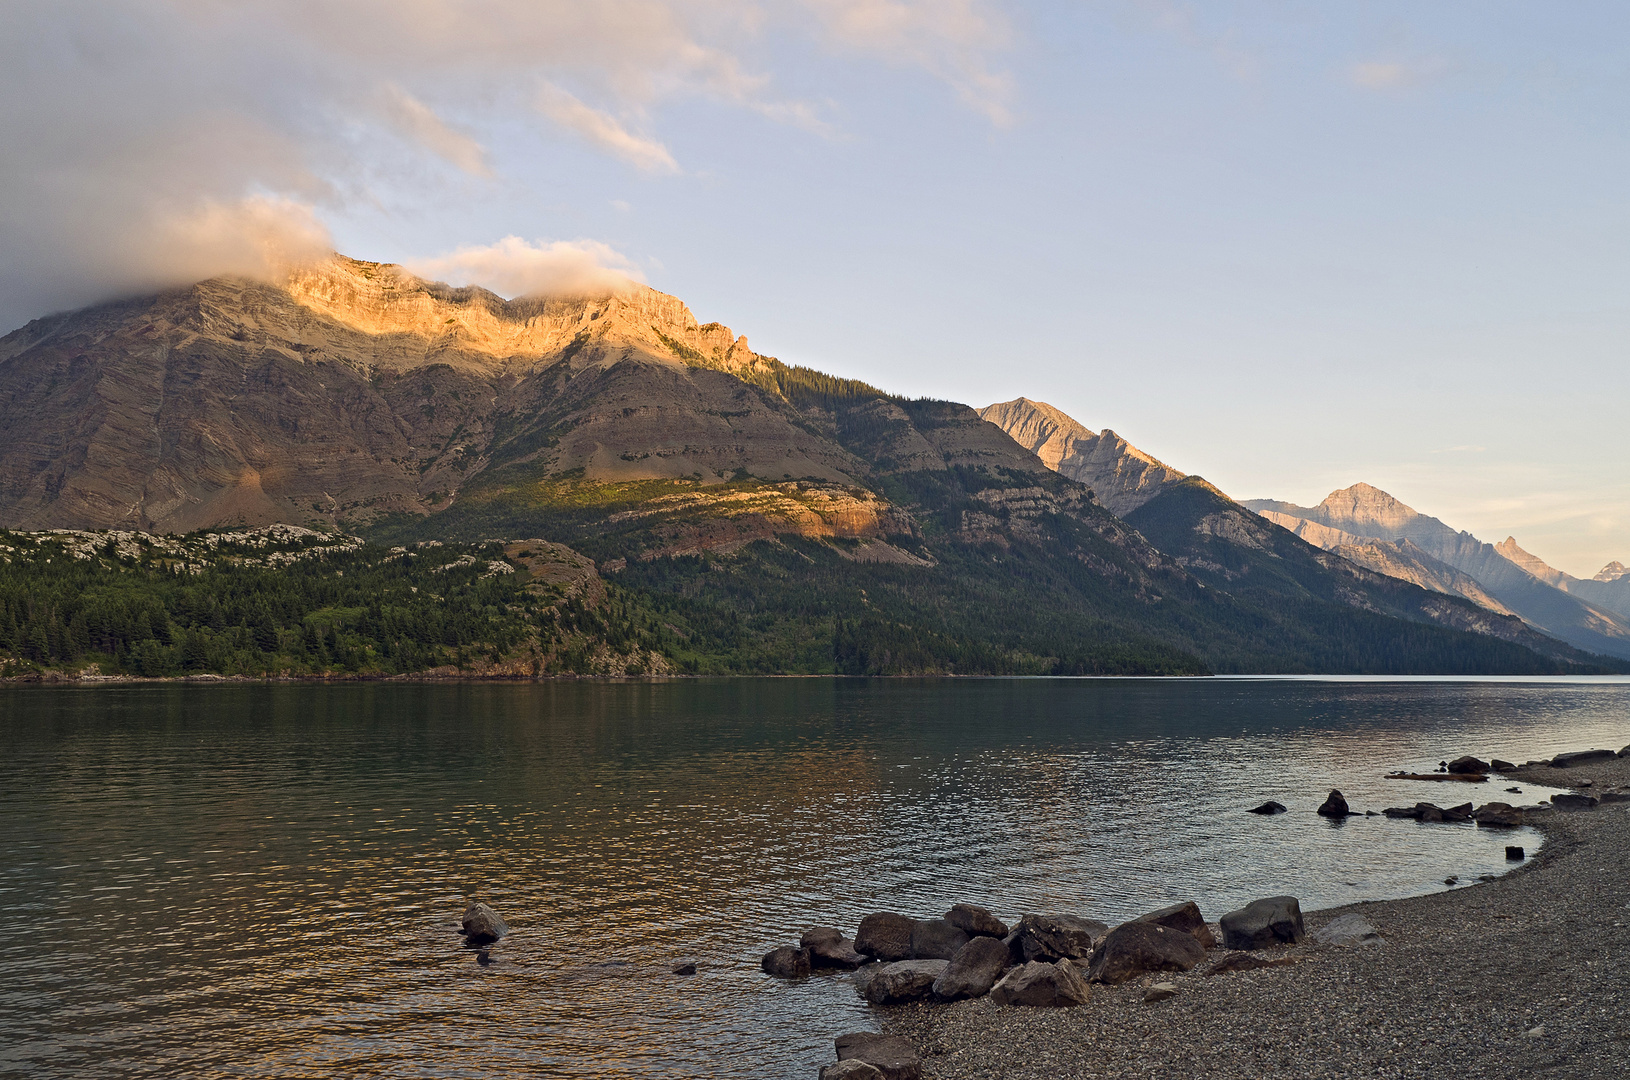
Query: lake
<point>265,880</point>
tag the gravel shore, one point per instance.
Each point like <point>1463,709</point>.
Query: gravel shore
<point>1524,976</point>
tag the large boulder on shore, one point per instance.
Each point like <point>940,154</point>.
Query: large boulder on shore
<point>1469,766</point>
<point>885,935</point>
<point>890,1055</point>
<point>1185,917</point>
<point>1133,948</point>
<point>974,921</point>
<point>936,939</point>
<point>1276,920</point>
<point>1056,937</point>
<point>786,962</point>
<point>903,980</point>
<point>482,926</point>
<point>1580,757</point>
<point>828,948</point>
<point>1040,984</point>
<point>1570,801</point>
<point>1335,805</point>
<point>975,968</point>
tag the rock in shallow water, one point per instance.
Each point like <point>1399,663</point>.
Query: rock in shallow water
<point>976,967</point>
<point>974,920</point>
<point>1276,920</point>
<point>903,980</point>
<point>1269,807</point>
<point>1137,947</point>
<point>1469,765</point>
<point>885,935</point>
<point>482,926</point>
<point>1335,805</point>
<point>828,948</point>
<point>786,962</point>
<point>1044,985</point>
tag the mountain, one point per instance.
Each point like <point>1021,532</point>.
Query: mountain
<point>1613,571</point>
<point>1120,475</point>
<point>755,516</point>
<point>1506,571</point>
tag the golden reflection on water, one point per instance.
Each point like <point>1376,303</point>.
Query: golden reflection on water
<point>267,880</point>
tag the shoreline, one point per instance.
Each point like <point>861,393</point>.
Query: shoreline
<point>1521,976</point>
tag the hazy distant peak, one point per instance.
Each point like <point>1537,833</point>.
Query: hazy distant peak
<point>1613,571</point>
<point>1531,563</point>
<point>1122,476</point>
<point>1365,504</point>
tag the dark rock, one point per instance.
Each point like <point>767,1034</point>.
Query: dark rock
<point>1514,790</point>
<point>1570,801</point>
<point>1580,757</point>
<point>1058,937</point>
<point>975,921</point>
<point>1625,752</point>
<point>1335,806</point>
<point>828,948</point>
<point>1469,764</point>
<point>1159,992</point>
<point>975,968</point>
<point>1269,807</point>
<point>885,935</point>
<point>1274,921</point>
<point>786,962</point>
<point>1137,947</point>
<point>1041,984</point>
<point>1513,853</point>
<point>903,980</point>
<point>1349,929</point>
<point>853,1069</point>
<point>1244,961</point>
<point>1502,766</point>
<point>1497,815</point>
<point>1427,812</point>
<point>684,967</point>
<point>482,926</point>
<point>1463,812</point>
<point>1413,812</point>
<point>1615,797</point>
<point>890,1055</point>
<point>936,939</point>
<point>1185,917</point>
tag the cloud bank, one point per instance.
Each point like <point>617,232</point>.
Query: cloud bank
<point>153,142</point>
<point>514,267</point>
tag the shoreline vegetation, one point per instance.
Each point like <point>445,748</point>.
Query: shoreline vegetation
<point>1519,975</point>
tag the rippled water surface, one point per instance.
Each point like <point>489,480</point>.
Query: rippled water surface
<point>264,880</point>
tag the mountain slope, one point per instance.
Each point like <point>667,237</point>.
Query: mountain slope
<point>1367,511</point>
<point>1119,474</point>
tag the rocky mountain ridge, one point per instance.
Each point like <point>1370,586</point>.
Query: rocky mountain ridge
<point>1119,474</point>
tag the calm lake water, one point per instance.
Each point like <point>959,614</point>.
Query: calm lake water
<point>265,880</point>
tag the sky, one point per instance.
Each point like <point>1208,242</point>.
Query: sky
<point>1287,246</point>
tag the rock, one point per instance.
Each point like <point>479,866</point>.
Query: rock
<point>1403,812</point>
<point>885,935</point>
<point>828,948</point>
<point>903,980</point>
<point>1497,815</point>
<point>1580,757</point>
<point>1615,797</point>
<point>975,921</point>
<point>1468,765</point>
<point>853,1069</point>
<point>890,1055</point>
<point>684,967</point>
<point>1159,992</point>
<point>1185,917</point>
<point>787,962</point>
<point>1058,937</point>
<point>1625,752</point>
<point>1514,790</point>
<point>1244,961</point>
<point>1269,807</point>
<point>1137,947</point>
<point>1502,766</point>
<point>1570,801</point>
<point>1427,812</point>
<point>936,939</point>
<point>975,968</point>
<point>482,926</point>
<point>1273,921</point>
<point>1513,853</point>
<point>1334,806</point>
<point>1349,929</point>
<point>1041,984</point>
<point>1463,812</point>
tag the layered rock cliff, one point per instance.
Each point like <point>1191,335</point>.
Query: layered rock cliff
<point>1121,476</point>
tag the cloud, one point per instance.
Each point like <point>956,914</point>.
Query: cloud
<point>604,131</point>
<point>1394,74</point>
<point>419,122</point>
<point>514,267</point>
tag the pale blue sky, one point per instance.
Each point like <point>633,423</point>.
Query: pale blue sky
<point>1289,246</point>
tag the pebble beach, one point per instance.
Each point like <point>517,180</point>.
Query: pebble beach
<point>1527,975</point>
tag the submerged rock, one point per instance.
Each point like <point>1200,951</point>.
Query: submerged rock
<point>885,935</point>
<point>1133,948</point>
<point>1043,985</point>
<point>482,926</point>
<point>975,921</point>
<point>976,967</point>
<point>1269,807</point>
<point>685,967</point>
<point>1276,920</point>
<point>890,1055</point>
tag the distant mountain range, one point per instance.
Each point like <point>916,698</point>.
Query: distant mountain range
<point>779,519</point>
